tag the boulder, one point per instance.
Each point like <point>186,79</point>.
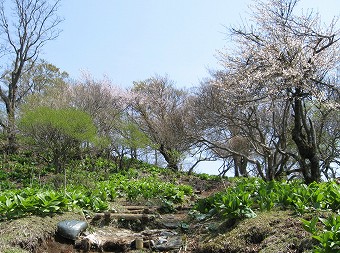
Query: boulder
<point>71,229</point>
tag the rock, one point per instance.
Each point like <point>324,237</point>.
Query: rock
<point>71,229</point>
<point>163,239</point>
<point>171,224</point>
<point>168,243</point>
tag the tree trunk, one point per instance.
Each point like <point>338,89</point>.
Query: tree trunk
<point>170,157</point>
<point>270,168</point>
<point>303,135</point>
<point>243,167</point>
<point>12,146</point>
<point>57,162</point>
<point>240,165</point>
<point>236,165</point>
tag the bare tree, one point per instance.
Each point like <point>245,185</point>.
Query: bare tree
<point>25,27</point>
<point>327,128</point>
<point>252,136</point>
<point>212,117</point>
<point>104,101</point>
<point>282,56</point>
<point>161,112</point>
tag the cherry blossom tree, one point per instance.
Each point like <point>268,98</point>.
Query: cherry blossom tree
<point>283,57</point>
<point>161,113</point>
<point>107,104</point>
<point>103,100</point>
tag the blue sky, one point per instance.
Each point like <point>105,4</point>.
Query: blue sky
<point>131,40</point>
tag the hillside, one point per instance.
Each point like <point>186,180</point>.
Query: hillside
<point>169,211</point>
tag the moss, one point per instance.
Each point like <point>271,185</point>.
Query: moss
<point>13,250</point>
<point>276,231</point>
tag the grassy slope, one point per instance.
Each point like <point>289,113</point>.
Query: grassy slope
<point>275,231</point>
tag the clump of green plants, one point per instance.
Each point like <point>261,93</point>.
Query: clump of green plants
<point>205,176</point>
<point>229,204</point>
<point>256,194</point>
<point>19,170</point>
<point>326,231</point>
<point>34,201</point>
<point>251,195</point>
<point>37,200</point>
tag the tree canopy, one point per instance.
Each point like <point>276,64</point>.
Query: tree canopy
<point>58,132</point>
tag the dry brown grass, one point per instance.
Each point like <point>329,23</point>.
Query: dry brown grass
<point>26,234</point>
<point>270,232</point>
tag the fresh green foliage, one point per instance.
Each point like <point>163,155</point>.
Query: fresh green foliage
<point>205,176</point>
<point>40,201</point>
<point>59,132</point>
<point>234,203</point>
<point>71,122</point>
<point>327,233</point>
<point>30,201</point>
<point>20,171</point>
<point>251,194</point>
<point>132,136</point>
<point>149,188</point>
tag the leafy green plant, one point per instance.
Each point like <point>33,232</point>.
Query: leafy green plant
<point>249,194</point>
<point>331,195</point>
<point>16,203</point>
<point>167,206</point>
<point>327,233</point>
<point>236,206</point>
<point>311,226</point>
<point>8,207</point>
<point>228,204</point>
<point>37,200</point>
<point>205,176</point>
<point>152,188</point>
<point>50,202</point>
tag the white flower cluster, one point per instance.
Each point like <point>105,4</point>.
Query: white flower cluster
<point>280,52</point>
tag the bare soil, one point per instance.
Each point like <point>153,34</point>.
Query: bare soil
<point>56,244</point>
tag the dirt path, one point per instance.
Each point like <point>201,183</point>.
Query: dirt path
<point>117,232</point>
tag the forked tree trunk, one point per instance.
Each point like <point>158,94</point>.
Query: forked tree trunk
<point>303,135</point>
<point>240,165</point>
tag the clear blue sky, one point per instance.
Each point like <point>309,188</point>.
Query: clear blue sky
<point>131,40</point>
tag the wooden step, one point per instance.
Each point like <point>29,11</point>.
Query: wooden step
<point>126,216</point>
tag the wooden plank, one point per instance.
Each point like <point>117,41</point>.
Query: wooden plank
<point>126,216</point>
